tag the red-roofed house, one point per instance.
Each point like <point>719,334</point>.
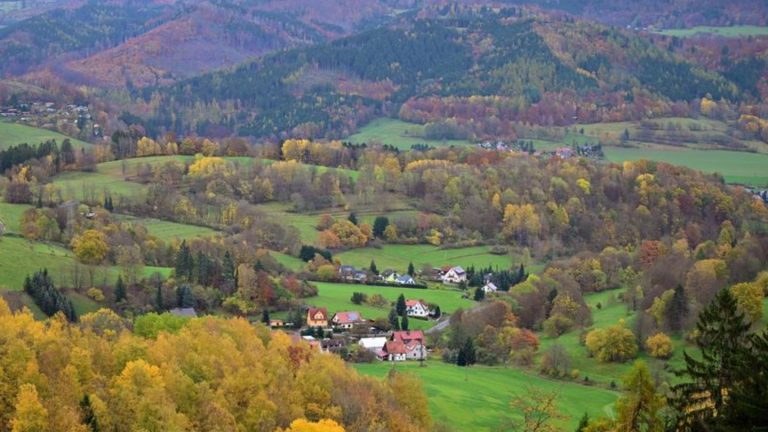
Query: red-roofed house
<point>395,351</point>
<point>455,275</point>
<point>317,317</point>
<point>416,308</point>
<point>347,320</point>
<point>413,341</point>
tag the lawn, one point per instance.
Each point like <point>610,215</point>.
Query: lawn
<point>165,230</point>
<point>397,257</point>
<point>287,261</point>
<point>12,134</point>
<point>336,297</point>
<point>477,398</point>
<point>398,133</point>
<point>93,186</point>
<point>10,215</point>
<point>731,31</point>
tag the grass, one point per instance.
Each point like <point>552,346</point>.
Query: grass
<point>10,215</point>
<point>730,31</point>
<point>287,261</point>
<point>478,398</point>
<point>399,134</point>
<point>336,297</point>
<point>166,231</point>
<point>397,257</point>
<point>12,134</point>
<point>87,186</point>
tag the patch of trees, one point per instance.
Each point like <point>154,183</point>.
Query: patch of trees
<point>45,295</point>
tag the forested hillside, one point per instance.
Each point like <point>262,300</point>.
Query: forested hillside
<point>485,69</point>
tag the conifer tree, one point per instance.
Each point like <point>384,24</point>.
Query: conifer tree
<point>411,269</point>
<point>372,267</point>
<point>119,289</point>
<point>352,218</point>
<point>404,323</point>
<point>393,321</point>
<point>401,306</point>
<point>479,294</point>
<point>265,317</point>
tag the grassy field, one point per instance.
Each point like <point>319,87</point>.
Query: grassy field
<point>731,32</point>
<point>165,230</point>
<point>289,262</point>
<point>11,214</point>
<point>397,133</point>
<point>87,185</point>
<point>336,297</point>
<point>477,398</point>
<point>397,257</point>
<point>12,134</point>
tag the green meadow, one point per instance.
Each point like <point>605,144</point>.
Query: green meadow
<point>166,231</point>
<point>95,185</point>
<point>397,257</point>
<point>10,215</point>
<point>478,398</point>
<point>12,134</point>
<point>730,31</point>
<point>398,133</point>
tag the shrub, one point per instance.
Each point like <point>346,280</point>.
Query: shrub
<point>96,294</point>
<point>575,373</point>
<point>612,344</point>
<point>359,298</point>
<point>555,361</point>
<point>659,345</point>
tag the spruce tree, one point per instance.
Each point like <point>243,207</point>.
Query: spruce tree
<point>722,334</point>
<point>119,289</point>
<point>393,321</point>
<point>401,306</point>
<point>159,302</point>
<point>677,310</point>
<point>479,294</point>
<point>411,269</point>
<point>265,317</point>
<point>228,273</point>
<point>372,267</point>
<point>352,218</point>
<point>87,415</point>
<point>404,323</point>
<point>379,226</point>
<point>583,423</point>
<point>184,297</point>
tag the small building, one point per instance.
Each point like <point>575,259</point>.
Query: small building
<point>405,280</point>
<point>184,312</point>
<point>413,342</point>
<point>454,275</point>
<point>394,351</point>
<point>374,344</point>
<point>347,320</point>
<point>276,323</point>
<point>317,317</point>
<point>416,308</point>
<point>334,346</point>
<point>391,277</point>
<point>490,287</point>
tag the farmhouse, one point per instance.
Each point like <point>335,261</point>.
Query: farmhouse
<point>347,320</point>
<point>351,274</point>
<point>455,275</point>
<point>490,287</point>
<point>394,351</point>
<point>413,342</point>
<point>416,308</point>
<point>317,317</point>
<point>405,280</point>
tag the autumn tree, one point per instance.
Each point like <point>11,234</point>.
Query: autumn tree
<point>90,247</point>
<point>639,407</point>
<point>538,410</point>
<point>612,344</point>
<point>659,345</point>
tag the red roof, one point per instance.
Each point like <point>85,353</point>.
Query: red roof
<point>347,317</point>
<point>411,303</point>
<point>406,336</point>
<point>313,311</point>
<point>394,347</point>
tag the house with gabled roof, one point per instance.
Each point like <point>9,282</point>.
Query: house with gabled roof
<point>490,287</point>
<point>454,275</point>
<point>405,280</point>
<point>394,351</point>
<point>347,320</point>
<point>416,308</point>
<point>413,342</point>
<point>317,317</point>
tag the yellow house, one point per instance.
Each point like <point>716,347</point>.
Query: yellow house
<point>317,317</point>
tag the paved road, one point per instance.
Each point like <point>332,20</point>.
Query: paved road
<point>440,326</point>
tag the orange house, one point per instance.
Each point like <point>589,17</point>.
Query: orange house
<point>317,317</point>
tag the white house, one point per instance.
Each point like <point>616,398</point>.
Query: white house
<point>413,342</point>
<point>455,275</point>
<point>405,280</point>
<point>373,343</point>
<point>490,287</point>
<point>395,351</point>
<point>416,308</point>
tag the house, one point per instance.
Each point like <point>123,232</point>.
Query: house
<point>334,346</point>
<point>455,275</point>
<point>360,276</point>
<point>347,320</point>
<point>391,278</point>
<point>276,323</point>
<point>351,274</point>
<point>184,312</point>
<point>346,271</point>
<point>375,345</point>
<point>413,342</point>
<point>564,153</point>
<point>405,280</point>
<point>317,317</point>
<point>490,287</point>
<point>394,351</point>
<point>416,308</point>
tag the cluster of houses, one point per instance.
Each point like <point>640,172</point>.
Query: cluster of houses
<point>592,151</point>
<point>349,273</point>
<point>761,195</point>
<point>397,346</point>
<point>48,115</point>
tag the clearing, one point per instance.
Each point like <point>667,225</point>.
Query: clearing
<point>12,134</point>
<point>398,133</point>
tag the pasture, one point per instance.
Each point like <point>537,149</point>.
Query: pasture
<point>93,186</point>
<point>336,297</point>
<point>166,231</point>
<point>12,134</point>
<point>478,398</point>
<point>398,133</point>
<point>397,257</point>
<point>729,32</point>
<point>10,215</point>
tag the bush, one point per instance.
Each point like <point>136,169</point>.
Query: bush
<point>359,298</point>
<point>555,361</point>
<point>96,294</point>
<point>659,345</point>
<point>575,373</point>
<point>612,344</point>
<point>557,324</point>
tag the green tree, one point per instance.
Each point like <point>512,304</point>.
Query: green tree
<point>479,294</point>
<point>401,307</point>
<point>265,317</point>
<point>722,335</point>
<point>373,267</point>
<point>393,321</point>
<point>583,423</point>
<point>184,264</point>
<point>404,323</point>
<point>159,301</point>
<point>119,290</point>
<point>184,297</point>
<point>467,356</point>
<point>228,273</point>
<point>380,225</point>
<point>352,218</point>
<point>676,310</point>
<point>411,269</point>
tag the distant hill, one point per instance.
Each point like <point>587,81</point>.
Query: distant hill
<point>513,65</point>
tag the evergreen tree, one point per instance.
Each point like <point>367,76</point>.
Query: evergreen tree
<point>479,294</point>
<point>119,290</point>
<point>380,224</point>
<point>401,306</point>
<point>184,262</point>
<point>228,273</point>
<point>466,355</point>
<point>411,269</point>
<point>50,300</point>
<point>67,152</point>
<point>184,297</point>
<point>639,407</point>
<point>373,268</point>
<point>159,302</point>
<point>436,312</point>
<point>393,321</point>
<point>749,401</point>
<point>583,423</point>
<point>722,334</point>
<point>87,415</point>
<point>677,310</point>
<point>265,317</point>
<point>521,276</point>
<point>404,323</point>
<point>352,218</point>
